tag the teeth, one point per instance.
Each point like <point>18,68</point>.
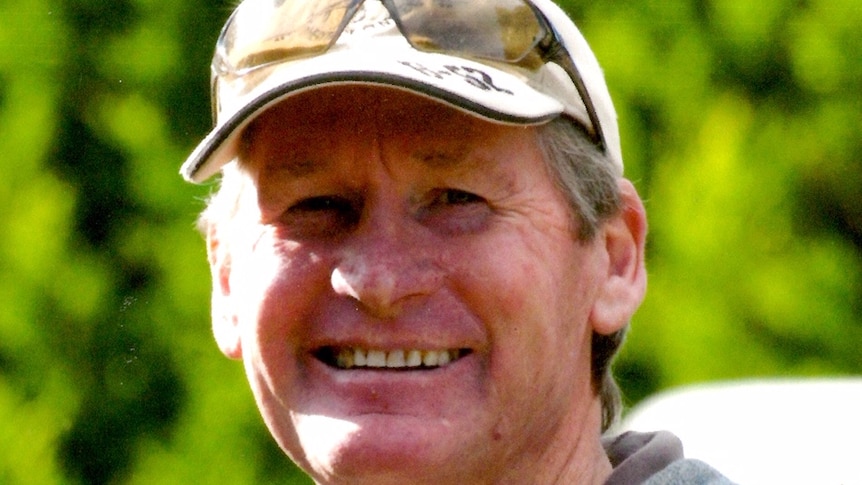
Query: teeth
<point>394,359</point>
<point>414,358</point>
<point>376,358</point>
<point>359,358</point>
<point>345,360</point>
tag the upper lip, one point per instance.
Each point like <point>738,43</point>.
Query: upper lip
<point>338,327</point>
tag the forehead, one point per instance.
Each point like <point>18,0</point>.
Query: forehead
<point>313,118</point>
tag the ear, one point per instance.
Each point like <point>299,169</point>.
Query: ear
<point>624,240</point>
<point>225,321</point>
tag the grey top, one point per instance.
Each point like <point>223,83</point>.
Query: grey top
<point>656,459</point>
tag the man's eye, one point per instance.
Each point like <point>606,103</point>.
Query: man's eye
<point>456,197</point>
<point>454,211</point>
<point>320,216</point>
<point>321,203</point>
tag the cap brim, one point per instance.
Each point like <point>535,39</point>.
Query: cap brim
<point>480,89</point>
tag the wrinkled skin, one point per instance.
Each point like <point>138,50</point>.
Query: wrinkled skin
<point>380,220</point>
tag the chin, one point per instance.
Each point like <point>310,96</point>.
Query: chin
<point>376,449</point>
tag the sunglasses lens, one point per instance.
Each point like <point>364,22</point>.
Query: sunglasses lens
<point>263,32</point>
<point>504,30</point>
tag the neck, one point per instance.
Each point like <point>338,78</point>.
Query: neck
<point>571,457</point>
<point>576,458</point>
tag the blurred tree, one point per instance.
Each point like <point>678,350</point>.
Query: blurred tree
<point>741,129</point>
<point>741,126</point>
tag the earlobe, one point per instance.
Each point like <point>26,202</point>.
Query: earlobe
<point>224,319</point>
<point>623,289</point>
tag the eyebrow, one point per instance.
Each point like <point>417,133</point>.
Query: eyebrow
<point>298,167</point>
<point>449,147</point>
<point>438,158</point>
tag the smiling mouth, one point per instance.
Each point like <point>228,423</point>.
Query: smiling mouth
<point>344,358</point>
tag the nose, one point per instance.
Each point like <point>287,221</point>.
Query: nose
<point>386,266</point>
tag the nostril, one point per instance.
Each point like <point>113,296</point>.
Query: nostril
<point>382,274</point>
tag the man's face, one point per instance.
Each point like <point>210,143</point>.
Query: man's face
<point>407,291</point>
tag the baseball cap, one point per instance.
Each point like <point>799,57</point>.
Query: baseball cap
<point>521,62</point>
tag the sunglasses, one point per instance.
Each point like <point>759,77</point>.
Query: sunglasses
<point>262,33</point>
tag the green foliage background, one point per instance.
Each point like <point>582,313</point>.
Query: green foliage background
<point>741,127</point>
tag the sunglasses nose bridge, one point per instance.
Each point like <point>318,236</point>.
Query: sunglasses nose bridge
<point>379,14</point>
<point>353,8</point>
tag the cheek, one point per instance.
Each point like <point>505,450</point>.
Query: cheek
<point>520,279</point>
<point>277,286</point>
<point>274,286</point>
<point>534,301</point>
<point>534,296</point>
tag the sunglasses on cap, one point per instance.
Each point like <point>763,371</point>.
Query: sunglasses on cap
<point>262,33</point>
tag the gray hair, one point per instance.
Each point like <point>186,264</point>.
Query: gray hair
<point>586,177</point>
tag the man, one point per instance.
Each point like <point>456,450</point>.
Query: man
<point>423,248</point>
